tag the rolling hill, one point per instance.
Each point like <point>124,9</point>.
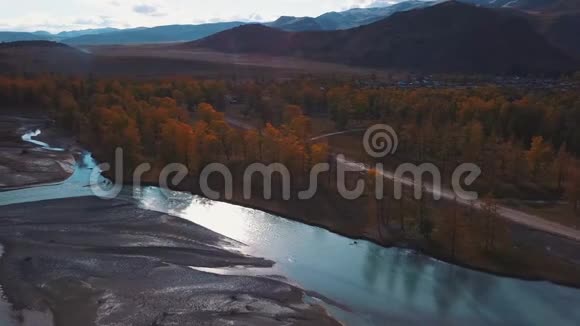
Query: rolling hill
<point>42,56</point>
<point>448,37</point>
<point>560,30</point>
<point>38,57</point>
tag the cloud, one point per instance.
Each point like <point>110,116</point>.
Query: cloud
<point>256,17</point>
<point>369,3</point>
<point>148,10</point>
<point>102,21</point>
<point>251,18</point>
<point>382,3</point>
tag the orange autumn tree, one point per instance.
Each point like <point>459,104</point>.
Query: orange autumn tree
<point>174,141</point>
<point>271,145</point>
<point>203,147</point>
<point>112,129</point>
<point>573,188</point>
<point>318,153</point>
<point>207,113</point>
<point>252,145</point>
<point>539,157</point>
<point>217,127</point>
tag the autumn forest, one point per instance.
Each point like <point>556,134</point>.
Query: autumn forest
<point>524,140</point>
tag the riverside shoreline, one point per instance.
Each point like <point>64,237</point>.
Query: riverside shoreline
<point>336,215</point>
<point>280,208</point>
<point>84,261</point>
<point>300,213</point>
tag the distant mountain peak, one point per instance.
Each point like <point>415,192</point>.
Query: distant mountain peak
<point>285,19</point>
<point>295,24</point>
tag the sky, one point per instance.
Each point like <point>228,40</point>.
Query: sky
<point>58,15</point>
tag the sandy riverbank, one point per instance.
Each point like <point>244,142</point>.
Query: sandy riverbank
<point>89,261</point>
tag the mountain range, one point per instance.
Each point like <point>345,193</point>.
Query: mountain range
<point>447,37</point>
<point>180,33</point>
<point>159,34</point>
<point>46,36</point>
<point>345,19</point>
<point>20,36</point>
<point>329,21</point>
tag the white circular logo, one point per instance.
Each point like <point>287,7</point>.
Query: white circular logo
<point>380,140</point>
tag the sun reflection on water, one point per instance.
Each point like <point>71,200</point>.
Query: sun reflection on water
<point>232,221</point>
